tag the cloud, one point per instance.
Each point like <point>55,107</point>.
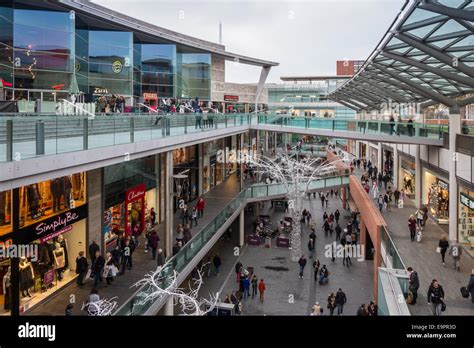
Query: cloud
<point>305,36</point>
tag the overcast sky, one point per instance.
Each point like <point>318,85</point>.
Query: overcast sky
<point>305,36</point>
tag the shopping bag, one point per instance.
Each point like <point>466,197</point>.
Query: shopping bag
<point>89,274</point>
<point>438,250</point>
<point>419,236</point>
<point>464,292</point>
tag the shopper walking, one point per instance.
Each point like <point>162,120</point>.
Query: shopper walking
<point>413,284</point>
<point>127,253</point>
<point>302,262</point>
<point>316,265</point>
<point>337,214</point>
<point>341,300</point>
<point>254,283</point>
<point>332,304</point>
<point>380,202</point>
<point>153,243</point>
<point>194,217</point>
<point>217,263</point>
<point>470,285</point>
<point>412,227</point>
<point>455,250</point>
<point>201,204</point>
<point>372,309</point>
<point>93,249</point>
<point>160,258</point>
<point>81,268</point>
<point>246,284</point>
<point>443,246</point>
<point>261,289</point>
<point>436,297</point>
<point>97,268</point>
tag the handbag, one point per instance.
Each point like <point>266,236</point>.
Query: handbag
<point>438,250</point>
<point>443,306</point>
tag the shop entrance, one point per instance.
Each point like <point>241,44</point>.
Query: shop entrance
<point>135,210</point>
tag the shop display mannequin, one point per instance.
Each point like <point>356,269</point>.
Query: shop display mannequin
<point>26,277</point>
<point>63,244</point>
<point>7,290</point>
<point>67,192</point>
<point>34,201</point>
<point>56,193</point>
<point>58,257</point>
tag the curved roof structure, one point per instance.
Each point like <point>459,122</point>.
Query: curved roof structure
<point>427,57</point>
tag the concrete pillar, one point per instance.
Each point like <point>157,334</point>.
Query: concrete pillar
<point>418,189</point>
<point>247,108</point>
<point>169,221</point>
<point>242,229</point>
<point>396,166</point>
<point>95,206</point>
<point>275,142</point>
<point>200,168</point>
<point>363,235</point>
<point>163,199</point>
<point>266,141</point>
<point>379,158</point>
<point>169,307</point>
<point>454,128</point>
<point>241,162</point>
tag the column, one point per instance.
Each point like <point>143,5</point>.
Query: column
<point>15,261</point>
<point>417,177</point>
<point>454,129</point>
<point>275,142</point>
<point>95,207</point>
<point>379,158</point>
<point>169,191</point>
<point>200,167</point>
<point>396,166</point>
<point>241,162</point>
<point>246,108</point>
<point>363,236</point>
<point>266,141</point>
<point>242,229</point>
<point>344,197</point>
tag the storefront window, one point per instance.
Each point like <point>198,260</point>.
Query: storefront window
<point>407,176</point>
<point>5,212</point>
<point>437,197</point>
<point>466,218</point>
<point>42,200</point>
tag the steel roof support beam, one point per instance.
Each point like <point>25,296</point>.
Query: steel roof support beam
<point>447,75</point>
<point>358,90</point>
<point>398,84</point>
<point>388,94</point>
<point>442,57</point>
<point>350,101</point>
<point>422,90</point>
<point>350,106</point>
<point>448,11</point>
<point>361,98</point>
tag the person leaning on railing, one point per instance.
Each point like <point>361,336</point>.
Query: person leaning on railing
<point>465,128</point>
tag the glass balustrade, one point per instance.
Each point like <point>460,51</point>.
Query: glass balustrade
<point>23,137</point>
<point>136,305</point>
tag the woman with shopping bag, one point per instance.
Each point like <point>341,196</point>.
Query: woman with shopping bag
<point>110,270</point>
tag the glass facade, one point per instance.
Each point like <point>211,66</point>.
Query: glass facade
<point>194,75</point>
<point>43,50</point>
<point>36,48</point>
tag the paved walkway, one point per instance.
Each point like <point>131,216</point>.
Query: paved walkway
<point>287,294</point>
<point>142,262</point>
<point>424,259</point>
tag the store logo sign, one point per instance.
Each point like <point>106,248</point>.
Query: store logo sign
<point>62,221</point>
<point>467,201</point>
<point>442,185</point>
<point>136,193</point>
<point>117,67</point>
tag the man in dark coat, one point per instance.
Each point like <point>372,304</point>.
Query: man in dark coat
<point>413,284</point>
<point>93,248</point>
<point>81,268</point>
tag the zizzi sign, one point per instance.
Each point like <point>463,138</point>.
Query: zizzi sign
<point>53,226</point>
<point>467,201</point>
<point>231,98</point>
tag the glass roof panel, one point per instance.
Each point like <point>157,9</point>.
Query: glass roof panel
<point>419,15</point>
<point>443,43</point>
<point>423,31</point>
<point>449,27</point>
<point>467,41</point>
<point>451,3</point>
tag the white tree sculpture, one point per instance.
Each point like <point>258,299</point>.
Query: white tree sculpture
<point>103,307</point>
<point>188,300</point>
<point>296,175</point>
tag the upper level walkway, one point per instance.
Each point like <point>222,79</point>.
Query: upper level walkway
<point>40,147</point>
